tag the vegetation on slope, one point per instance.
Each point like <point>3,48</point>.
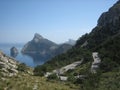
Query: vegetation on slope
<point>29,82</point>
<point>105,39</point>
<point>75,54</point>
<point>110,53</point>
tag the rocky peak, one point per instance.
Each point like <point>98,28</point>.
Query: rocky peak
<point>71,42</point>
<point>37,37</point>
<point>108,26</point>
<point>118,2</point>
<point>112,16</point>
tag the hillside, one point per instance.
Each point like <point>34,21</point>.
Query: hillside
<point>108,26</point>
<point>18,76</point>
<point>104,39</point>
<point>107,29</point>
<point>92,64</point>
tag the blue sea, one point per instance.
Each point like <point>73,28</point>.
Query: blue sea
<point>28,60</point>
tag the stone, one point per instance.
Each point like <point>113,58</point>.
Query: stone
<point>13,52</point>
<point>96,62</point>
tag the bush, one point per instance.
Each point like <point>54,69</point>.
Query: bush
<point>71,78</point>
<point>108,65</point>
<point>91,82</point>
<point>52,77</point>
<point>39,70</point>
<point>22,67</point>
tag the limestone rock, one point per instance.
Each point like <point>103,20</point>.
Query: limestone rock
<point>96,62</point>
<point>13,52</point>
<point>8,66</point>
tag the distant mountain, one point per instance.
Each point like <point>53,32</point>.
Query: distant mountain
<point>14,52</point>
<point>104,41</point>
<point>43,47</point>
<point>104,38</point>
<point>62,48</point>
<point>71,42</point>
<point>39,45</point>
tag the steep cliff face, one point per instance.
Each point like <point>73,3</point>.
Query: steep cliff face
<point>108,26</point>
<point>39,45</point>
<point>110,17</point>
<point>44,48</point>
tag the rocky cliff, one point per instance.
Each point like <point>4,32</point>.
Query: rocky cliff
<point>103,39</point>
<point>8,66</point>
<point>71,42</point>
<point>44,48</point>
<point>39,45</point>
<point>108,26</point>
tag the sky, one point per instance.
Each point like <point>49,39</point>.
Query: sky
<point>56,20</point>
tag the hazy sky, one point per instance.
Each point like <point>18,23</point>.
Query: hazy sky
<point>57,20</point>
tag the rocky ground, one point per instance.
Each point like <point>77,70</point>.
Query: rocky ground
<point>8,66</point>
<point>12,78</point>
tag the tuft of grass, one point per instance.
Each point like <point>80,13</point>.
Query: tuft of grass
<point>29,82</point>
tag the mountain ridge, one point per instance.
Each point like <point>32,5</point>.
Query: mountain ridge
<point>103,39</point>
<point>44,48</point>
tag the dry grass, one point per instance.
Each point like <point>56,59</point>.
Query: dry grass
<point>28,82</point>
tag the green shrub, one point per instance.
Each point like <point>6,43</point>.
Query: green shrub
<point>71,78</point>
<point>22,67</point>
<point>52,77</point>
<point>39,70</point>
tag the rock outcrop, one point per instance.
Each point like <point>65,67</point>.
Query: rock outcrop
<point>13,51</point>
<point>71,42</point>
<point>39,45</point>
<point>96,62</point>
<point>8,66</point>
<point>108,26</point>
<point>44,48</point>
<point>110,17</point>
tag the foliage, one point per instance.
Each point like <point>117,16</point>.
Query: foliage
<point>82,39</point>
<point>75,54</point>
<point>39,70</point>
<point>105,39</point>
<point>52,77</point>
<point>22,67</point>
<point>110,54</point>
<point>91,82</point>
<point>71,78</point>
<point>28,82</point>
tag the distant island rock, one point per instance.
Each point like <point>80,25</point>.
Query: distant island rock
<point>71,42</point>
<point>39,45</point>
<point>13,52</point>
<point>44,48</point>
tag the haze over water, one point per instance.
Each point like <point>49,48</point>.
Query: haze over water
<point>20,57</point>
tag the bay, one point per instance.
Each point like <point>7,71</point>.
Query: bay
<point>28,60</point>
